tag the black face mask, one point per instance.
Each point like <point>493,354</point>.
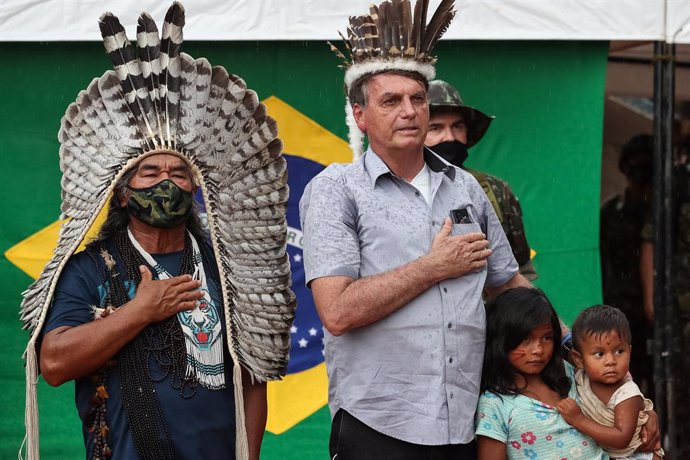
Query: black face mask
<point>454,152</point>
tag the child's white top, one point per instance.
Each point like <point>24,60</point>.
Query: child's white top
<point>603,414</point>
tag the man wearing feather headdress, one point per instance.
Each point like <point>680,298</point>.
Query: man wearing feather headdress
<point>396,281</point>
<point>138,316</point>
<point>454,128</point>
<point>169,331</point>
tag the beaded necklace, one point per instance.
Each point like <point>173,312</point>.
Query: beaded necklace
<point>164,344</point>
<point>201,325</point>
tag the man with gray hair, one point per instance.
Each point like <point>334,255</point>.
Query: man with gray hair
<point>398,247</point>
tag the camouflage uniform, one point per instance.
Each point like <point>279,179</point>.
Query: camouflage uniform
<point>442,96</point>
<point>681,290</point>
<point>509,212</point>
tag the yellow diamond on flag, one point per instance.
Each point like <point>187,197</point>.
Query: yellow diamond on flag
<point>300,394</point>
<point>303,137</point>
<point>33,253</point>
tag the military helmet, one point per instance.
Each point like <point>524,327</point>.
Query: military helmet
<point>442,96</point>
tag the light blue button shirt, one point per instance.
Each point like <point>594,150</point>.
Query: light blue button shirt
<point>414,375</point>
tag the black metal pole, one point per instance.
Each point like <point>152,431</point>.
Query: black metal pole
<point>671,327</point>
<point>664,312</point>
<point>659,243</point>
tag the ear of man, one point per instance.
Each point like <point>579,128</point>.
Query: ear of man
<point>121,197</point>
<point>360,119</point>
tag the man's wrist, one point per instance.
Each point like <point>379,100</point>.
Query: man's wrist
<point>431,271</point>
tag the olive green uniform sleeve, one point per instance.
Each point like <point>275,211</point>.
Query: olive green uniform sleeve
<point>509,213</point>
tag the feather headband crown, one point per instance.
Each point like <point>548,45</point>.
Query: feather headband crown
<point>390,37</point>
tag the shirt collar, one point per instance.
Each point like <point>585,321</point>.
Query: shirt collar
<point>438,164</point>
<point>375,167</point>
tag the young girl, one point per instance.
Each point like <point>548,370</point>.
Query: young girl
<point>523,379</point>
<point>615,408</point>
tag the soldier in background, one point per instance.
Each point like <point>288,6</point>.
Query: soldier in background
<point>454,128</point>
<point>622,219</point>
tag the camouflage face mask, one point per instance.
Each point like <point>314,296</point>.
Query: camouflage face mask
<point>163,205</point>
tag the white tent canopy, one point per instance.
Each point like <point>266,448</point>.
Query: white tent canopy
<point>75,20</point>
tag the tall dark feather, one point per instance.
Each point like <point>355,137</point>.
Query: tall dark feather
<point>438,25</point>
<point>352,33</point>
<point>121,53</point>
<point>370,37</point>
<point>407,48</point>
<point>346,42</point>
<point>357,31</point>
<point>350,36</point>
<point>361,43</point>
<point>148,46</point>
<point>374,13</point>
<point>396,16</point>
<point>384,29</point>
<point>354,41</point>
<point>420,8</point>
<point>171,45</point>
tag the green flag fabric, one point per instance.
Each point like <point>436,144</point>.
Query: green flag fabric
<point>545,142</point>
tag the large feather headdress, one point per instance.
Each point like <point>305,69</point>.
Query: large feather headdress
<point>160,100</point>
<point>389,38</point>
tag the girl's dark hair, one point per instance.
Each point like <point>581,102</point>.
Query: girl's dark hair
<point>510,319</point>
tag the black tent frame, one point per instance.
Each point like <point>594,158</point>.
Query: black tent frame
<point>666,339</point>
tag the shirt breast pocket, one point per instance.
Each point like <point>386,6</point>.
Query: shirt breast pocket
<point>463,229</point>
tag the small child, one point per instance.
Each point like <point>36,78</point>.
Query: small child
<point>615,408</point>
<point>522,380</point>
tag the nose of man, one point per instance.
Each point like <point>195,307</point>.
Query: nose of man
<point>407,108</point>
<point>447,135</point>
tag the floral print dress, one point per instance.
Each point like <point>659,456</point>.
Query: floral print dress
<point>532,429</point>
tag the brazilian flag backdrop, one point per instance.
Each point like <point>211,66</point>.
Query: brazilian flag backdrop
<point>545,141</point>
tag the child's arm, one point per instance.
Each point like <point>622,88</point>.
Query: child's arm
<point>617,436</point>
<point>490,449</point>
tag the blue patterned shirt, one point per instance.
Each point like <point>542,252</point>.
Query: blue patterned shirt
<point>532,429</point>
